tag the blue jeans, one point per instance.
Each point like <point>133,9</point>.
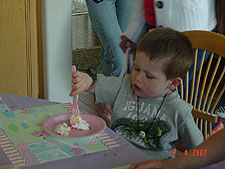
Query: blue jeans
<point>110,18</point>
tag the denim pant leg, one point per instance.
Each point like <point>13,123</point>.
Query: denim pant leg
<point>110,18</point>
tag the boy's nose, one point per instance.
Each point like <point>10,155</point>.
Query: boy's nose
<point>138,76</point>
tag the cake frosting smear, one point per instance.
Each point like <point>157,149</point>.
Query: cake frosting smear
<point>78,123</point>
<point>75,122</point>
<point>62,129</point>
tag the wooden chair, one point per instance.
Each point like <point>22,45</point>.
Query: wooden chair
<point>208,82</point>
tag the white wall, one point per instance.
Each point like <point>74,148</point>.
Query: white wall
<point>57,49</point>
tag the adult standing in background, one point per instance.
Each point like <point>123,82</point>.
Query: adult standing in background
<point>110,18</point>
<point>180,15</point>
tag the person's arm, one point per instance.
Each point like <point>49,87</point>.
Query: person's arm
<point>82,82</point>
<point>7,167</point>
<point>214,152</point>
<point>213,148</point>
<point>138,25</point>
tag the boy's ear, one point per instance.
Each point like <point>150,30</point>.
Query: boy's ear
<point>174,83</point>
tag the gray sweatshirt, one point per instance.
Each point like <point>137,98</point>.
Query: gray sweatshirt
<point>158,129</point>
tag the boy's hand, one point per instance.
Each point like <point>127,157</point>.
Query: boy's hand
<point>81,82</point>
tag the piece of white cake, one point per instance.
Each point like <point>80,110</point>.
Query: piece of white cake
<point>78,123</point>
<point>62,129</point>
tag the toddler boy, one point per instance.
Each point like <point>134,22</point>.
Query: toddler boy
<point>146,109</point>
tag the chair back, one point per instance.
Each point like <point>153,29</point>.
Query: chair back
<point>208,80</point>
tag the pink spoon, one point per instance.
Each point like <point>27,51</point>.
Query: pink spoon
<point>75,109</point>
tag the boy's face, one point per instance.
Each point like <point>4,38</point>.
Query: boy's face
<point>148,78</point>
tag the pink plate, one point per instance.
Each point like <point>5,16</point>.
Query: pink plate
<point>96,125</point>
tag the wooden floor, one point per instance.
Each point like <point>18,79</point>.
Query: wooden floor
<point>84,36</point>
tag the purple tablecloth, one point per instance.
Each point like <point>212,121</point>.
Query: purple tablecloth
<point>123,155</point>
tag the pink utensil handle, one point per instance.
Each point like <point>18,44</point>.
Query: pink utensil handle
<point>76,100</point>
<point>76,97</point>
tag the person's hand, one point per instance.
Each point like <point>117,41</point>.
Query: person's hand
<point>7,167</point>
<point>127,43</point>
<point>81,82</point>
<point>152,164</point>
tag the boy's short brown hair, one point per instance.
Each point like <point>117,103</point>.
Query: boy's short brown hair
<point>171,46</point>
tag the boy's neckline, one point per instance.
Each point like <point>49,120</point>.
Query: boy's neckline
<point>167,94</point>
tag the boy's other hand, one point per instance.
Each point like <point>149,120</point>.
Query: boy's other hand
<point>81,82</point>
